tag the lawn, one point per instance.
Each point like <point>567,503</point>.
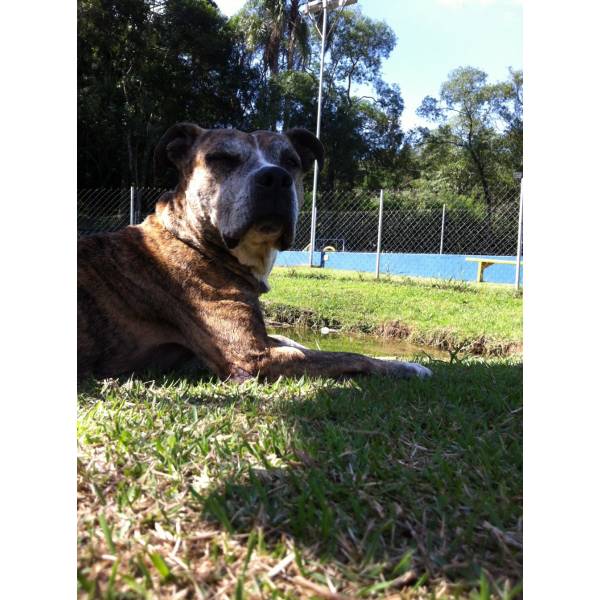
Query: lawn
<point>485,318</point>
<point>372,488</point>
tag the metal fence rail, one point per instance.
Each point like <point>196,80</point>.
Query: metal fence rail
<point>349,221</point>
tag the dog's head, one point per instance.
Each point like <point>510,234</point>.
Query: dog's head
<point>243,185</point>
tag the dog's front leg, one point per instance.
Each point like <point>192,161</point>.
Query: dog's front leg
<point>296,361</point>
<point>271,357</point>
<point>239,349</point>
<point>281,340</point>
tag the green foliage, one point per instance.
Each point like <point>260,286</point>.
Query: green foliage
<point>143,66</point>
<point>276,32</point>
<point>146,64</point>
<point>357,47</point>
<point>478,139</point>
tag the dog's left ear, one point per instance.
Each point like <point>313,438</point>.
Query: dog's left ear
<point>307,145</point>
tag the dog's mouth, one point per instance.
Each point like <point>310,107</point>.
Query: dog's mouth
<point>273,229</point>
<point>270,226</point>
<point>231,242</point>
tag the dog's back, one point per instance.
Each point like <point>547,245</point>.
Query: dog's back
<point>120,301</point>
<point>102,297</point>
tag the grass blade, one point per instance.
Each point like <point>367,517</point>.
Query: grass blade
<point>160,564</point>
<point>107,533</point>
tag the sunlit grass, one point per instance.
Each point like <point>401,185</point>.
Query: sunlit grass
<point>367,487</point>
<point>486,319</point>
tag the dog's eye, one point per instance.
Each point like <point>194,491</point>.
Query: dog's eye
<point>223,159</point>
<point>289,161</point>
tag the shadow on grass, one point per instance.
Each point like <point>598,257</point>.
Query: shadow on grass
<point>379,474</point>
<point>375,475</point>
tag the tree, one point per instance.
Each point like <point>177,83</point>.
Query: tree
<point>277,32</point>
<point>276,36</point>
<point>142,67</point>
<point>389,162</point>
<point>358,131</point>
<point>511,112</point>
<point>358,45</point>
<point>470,113</point>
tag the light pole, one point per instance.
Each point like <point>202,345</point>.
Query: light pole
<point>518,175</point>
<point>309,9</point>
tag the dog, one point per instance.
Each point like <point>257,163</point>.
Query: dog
<point>186,282</point>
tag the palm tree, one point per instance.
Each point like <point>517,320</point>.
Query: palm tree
<point>298,38</point>
<point>277,30</point>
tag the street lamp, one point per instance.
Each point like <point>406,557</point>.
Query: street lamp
<point>311,8</point>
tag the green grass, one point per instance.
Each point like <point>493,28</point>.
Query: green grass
<point>373,488</point>
<point>484,318</point>
<point>202,486</point>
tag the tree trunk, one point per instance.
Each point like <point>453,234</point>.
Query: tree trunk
<point>292,24</point>
<point>487,193</point>
<point>350,74</point>
<point>132,158</point>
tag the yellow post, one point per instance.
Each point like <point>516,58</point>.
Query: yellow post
<point>480,271</point>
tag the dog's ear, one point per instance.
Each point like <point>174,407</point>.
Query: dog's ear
<point>174,146</point>
<point>307,145</point>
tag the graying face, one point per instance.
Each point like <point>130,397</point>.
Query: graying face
<point>242,181</point>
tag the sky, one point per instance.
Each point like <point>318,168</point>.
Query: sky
<point>436,36</point>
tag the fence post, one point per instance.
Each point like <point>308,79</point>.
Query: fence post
<point>443,225</point>
<point>379,228</point>
<point>313,234</point>
<point>519,238</point>
<point>132,205</point>
<point>138,206</point>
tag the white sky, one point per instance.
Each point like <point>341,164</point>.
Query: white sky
<point>229,7</point>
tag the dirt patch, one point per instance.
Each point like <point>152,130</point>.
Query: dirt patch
<point>282,315</point>
<point>447,340</point>
<point>394,329</point>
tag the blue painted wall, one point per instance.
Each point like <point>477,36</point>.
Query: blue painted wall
<point>296,258</point>
<point>441,266</point>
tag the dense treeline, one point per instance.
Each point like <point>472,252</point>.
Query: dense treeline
<point>144,65</point>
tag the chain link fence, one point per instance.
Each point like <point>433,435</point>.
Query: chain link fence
<point>347,221</point>
<point>103,210</point>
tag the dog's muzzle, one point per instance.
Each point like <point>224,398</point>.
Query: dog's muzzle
<point>271,211</point>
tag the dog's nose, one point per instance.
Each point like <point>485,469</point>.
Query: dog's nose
<point>273,179</point>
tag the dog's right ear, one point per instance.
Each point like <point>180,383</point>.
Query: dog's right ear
<point>174,146</point>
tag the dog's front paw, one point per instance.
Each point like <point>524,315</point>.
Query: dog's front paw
<point>407,370</point>
<point>419,370</point>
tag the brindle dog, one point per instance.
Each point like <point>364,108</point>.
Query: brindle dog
<point>186,282</point>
